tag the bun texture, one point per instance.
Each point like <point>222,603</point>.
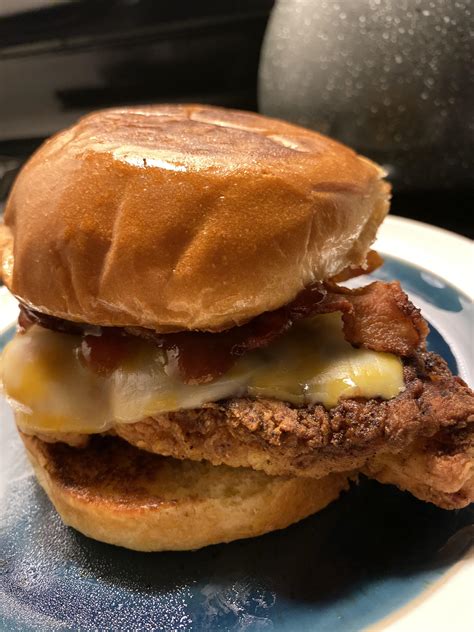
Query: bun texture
<point>176,217</point>
<point>118,494</point>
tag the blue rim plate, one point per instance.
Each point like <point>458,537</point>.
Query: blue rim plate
<point>377,558</point>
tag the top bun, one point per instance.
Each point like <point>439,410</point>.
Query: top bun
<point>178,217</point>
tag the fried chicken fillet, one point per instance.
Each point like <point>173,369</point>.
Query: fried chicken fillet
<point>422,441</point>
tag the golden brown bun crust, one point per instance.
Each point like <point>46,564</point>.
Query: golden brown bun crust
<point>115,493</point>
<point>184,217</point>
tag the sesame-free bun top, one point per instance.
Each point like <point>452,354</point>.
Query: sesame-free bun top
<point>179,217</point>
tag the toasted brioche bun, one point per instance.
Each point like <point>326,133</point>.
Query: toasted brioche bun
<point>180,217</point>
<point>118,494</point>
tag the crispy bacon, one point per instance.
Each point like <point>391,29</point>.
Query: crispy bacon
<point>201,357</point>
<point>106,352</point>
<point>378,316</point>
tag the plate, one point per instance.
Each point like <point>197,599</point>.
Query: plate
<point>376,559</point>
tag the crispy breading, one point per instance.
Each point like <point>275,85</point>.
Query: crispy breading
<point>279,438</point>
<point>438,470</point>
<point>420,440</point>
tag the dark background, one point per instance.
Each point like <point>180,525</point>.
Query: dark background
<point>60,59</point>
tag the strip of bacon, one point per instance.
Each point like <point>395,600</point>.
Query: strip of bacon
<point>378,316</point>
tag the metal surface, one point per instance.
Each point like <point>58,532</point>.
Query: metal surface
<point>393,79</point>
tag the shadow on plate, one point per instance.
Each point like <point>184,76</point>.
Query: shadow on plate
<point>342,561</point>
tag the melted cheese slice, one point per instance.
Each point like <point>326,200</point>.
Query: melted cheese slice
<point>51,390</point>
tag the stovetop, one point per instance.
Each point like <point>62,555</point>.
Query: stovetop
<point>59,60</point>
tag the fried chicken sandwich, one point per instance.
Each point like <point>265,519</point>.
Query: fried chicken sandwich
<point>189,367</point>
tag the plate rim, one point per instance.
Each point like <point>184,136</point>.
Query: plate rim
<point>401,237</point>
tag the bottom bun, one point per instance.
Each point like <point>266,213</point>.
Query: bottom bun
<point>115,493</point>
